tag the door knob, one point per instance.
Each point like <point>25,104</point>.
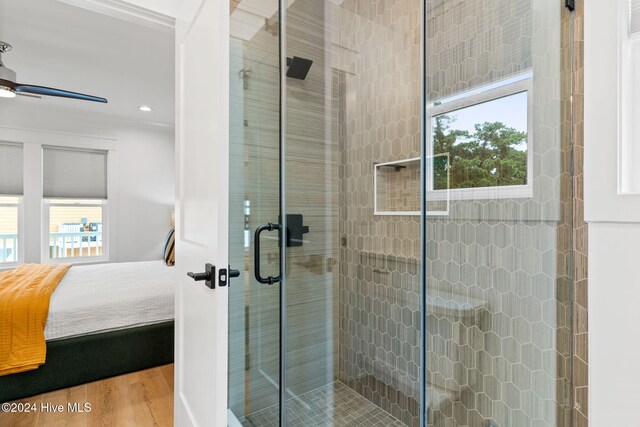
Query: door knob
<point>208,276</point>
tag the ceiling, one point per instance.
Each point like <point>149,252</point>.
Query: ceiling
<point>69,47</point>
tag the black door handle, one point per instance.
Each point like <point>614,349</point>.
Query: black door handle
<point>208,276</point>
<point>256,254</point>
<point>198,277</point>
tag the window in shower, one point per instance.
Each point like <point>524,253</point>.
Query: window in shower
<point>484,134</point>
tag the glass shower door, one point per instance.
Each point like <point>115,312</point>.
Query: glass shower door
<point>336,341</point>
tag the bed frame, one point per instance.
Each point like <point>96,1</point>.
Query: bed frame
<point>87,358</point>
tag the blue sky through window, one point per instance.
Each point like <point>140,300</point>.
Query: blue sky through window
<point>510,110</point>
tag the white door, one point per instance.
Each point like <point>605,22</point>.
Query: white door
<point>202,152</point>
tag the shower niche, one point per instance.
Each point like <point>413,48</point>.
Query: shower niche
<point>397,187</point>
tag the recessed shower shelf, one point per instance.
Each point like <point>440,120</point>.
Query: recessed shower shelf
<point>397,187</point>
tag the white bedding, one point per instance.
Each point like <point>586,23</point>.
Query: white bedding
<point>105,297</point>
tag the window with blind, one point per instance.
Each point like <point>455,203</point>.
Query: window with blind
<point>11,190</point>
<point>75,197</point>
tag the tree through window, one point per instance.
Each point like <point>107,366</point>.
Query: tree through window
<point>487,144</point>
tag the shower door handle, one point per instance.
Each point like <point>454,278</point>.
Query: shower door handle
<point>256,254</point>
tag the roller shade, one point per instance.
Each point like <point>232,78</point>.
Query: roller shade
<point>74,173</point>
<point>634,22</point>
<point>11,169</point>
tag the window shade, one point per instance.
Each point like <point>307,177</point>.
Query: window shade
<point>10,169</point>
<point>634,21</point>
<point>74,173</point>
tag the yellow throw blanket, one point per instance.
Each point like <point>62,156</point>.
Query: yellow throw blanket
<point>24,306</point>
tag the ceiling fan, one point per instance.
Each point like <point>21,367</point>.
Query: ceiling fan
<point>9,88</point>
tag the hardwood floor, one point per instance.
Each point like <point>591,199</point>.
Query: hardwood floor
<point>143,398</point>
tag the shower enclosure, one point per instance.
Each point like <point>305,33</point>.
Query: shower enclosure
<point>401,213</point>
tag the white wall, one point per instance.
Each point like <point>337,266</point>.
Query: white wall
<point>145,192</point>
<point>614,316</point>
<point>142,189</point>
<point>614,225</point>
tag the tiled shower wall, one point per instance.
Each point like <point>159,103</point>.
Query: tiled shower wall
<point>499,271</point>
<point>379,89</point>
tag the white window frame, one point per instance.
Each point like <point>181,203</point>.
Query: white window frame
<point>21,240</point>
<point>491,92</point>
<point>46,256</point>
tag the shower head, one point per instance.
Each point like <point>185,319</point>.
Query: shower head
<point>298,67</point>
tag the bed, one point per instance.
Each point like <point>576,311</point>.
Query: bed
<point>103,320</point>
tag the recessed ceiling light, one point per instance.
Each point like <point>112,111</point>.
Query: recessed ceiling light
<point>145,108</point>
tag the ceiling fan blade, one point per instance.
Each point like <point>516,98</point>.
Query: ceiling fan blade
<point>49,91</point>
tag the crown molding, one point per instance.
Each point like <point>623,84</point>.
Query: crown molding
<point>126,11</point>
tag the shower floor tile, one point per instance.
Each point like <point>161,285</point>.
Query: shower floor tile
<point>332,405</point>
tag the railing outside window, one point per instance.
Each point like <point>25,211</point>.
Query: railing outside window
<point>77,244</point>
<point>76,230</point>
<point>11,244</point>
<point>8,248</point>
